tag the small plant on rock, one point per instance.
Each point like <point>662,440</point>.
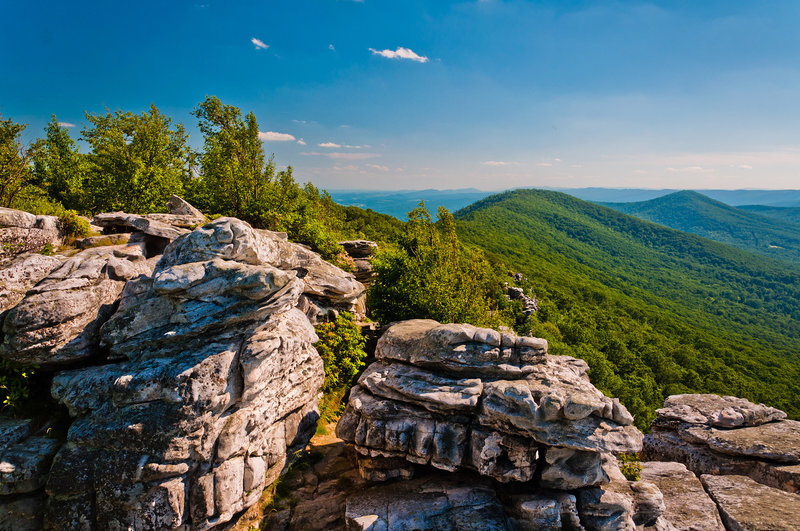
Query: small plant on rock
<point>73,226</point>
<point>630,466</point>
<point>341,346</point>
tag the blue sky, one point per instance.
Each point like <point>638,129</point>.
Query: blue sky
<point>433,94</point>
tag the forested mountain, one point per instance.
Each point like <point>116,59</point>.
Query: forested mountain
<point>790,214</point>
<point>653,310</point>
<point>693,212</point>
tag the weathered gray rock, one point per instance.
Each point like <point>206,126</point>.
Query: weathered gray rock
<point>22,513</point>
<point>435,503</point>
<point>21,273</point>
<point>756,441</point>
<point>687,505</point>
<point>215,380</point>
<point>22,232</point>
<point>359,248</point>
<point>24,465</point>
<point>124,222</point>
<point>106,239</point>
<point>717,411</point>
<point>459,397</point>
<point>59,319</point>
<point>749,506</point>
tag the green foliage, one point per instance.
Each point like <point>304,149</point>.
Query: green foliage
<point>137,161</point>
<point>16,173</point>
<point>59,168</point>
<point>73,226</point>
<point>695,213</point>
<point>14,386</point>
<point>341,346</point>
<point>431,275</point>
<point>652,310</point>
<point>631,466</point>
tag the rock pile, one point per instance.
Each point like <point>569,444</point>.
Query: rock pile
<point>727,435</point>
<point>22,232</point>
<point>476,401</point>
<point>193,374</point>
<point>361,251</point>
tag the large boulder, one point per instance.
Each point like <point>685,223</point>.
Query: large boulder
<point>687,506</point>
<point>214,381</point>
<point>21,273</point>
<point>58,322</point>
<point>727,435</point>
<point>458,397</point>
<point>22,232</point>
<point>749,506</point>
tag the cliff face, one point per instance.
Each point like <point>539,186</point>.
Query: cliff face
<point>190,376</point>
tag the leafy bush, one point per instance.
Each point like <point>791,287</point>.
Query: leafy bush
<point>341,346</point>
<point>14,386</point>
<point>73,226</point>
<point>630,466</point>
<point>433,276</point>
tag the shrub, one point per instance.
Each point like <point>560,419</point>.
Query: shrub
<point>630,466</point>
<point>73,226</point>
<point>341,346</point>
<point>14,385</point>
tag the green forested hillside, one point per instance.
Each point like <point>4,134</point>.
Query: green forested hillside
<point>693,212</point>
<point>653,310</point>
<point>790,214</point>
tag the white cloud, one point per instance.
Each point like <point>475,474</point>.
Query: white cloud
<point>689,169</point>
<point>745,166</point>
<point>343,156</point>
<point>498,163</point>
<point>66,124</point>
<point>259,44</point>
<point>272,136</point>
<point>301,142</point>
<point>331,47</point>
<point>377,167</point>
<point>544,164</point>
<point>335,145</point>
<point>400,53</point>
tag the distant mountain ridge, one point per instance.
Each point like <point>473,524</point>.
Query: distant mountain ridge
<point>653,310</point>
<point>695,213</point>
<point>398,203</point>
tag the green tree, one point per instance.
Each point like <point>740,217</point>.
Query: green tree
<point>137,161</point>
<point>16,171</point>
<point>433,276</point>
<point>234,179</point>
<point>59,168</point>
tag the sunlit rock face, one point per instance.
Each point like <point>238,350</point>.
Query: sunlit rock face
<point>498,431</point>
<point>716,435</point>
<point>209,377</point>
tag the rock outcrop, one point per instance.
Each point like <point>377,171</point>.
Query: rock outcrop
<point>687,506</point>
<point>361,251</point>
<point>460,397</point>
<point>58,322</point>
<point>750,506</point>
<point>21,273</point>
<point>194,375</point>
<point>727,435</point>
<point>22,232</point>
<point>473,400</point>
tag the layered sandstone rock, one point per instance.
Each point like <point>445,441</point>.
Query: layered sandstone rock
<point>21,273</point>
<point>58,321</point>
<point>750,506</point>
<point>687,506</point>
<point>727,435</point>
<point>460,397</point>
<point>22,232</point>
<point>215,380</point>
<point>473,400</point>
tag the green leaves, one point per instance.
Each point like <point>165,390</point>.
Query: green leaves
<point>341,346</point>
<point>137,161</point>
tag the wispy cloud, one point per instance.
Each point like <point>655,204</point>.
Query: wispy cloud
<point>301,142</point>
<point>745,167</point>
<point>259,44</point>
<point>337,146</point>
<point>400,53</point>
<point>272,136</point>
<point>690,169</point>
<point>66,124</point>
<point>544,164</point>
<point>331,47</point>
<point>343,156</point>
<point>378,167</point>
<point>498,163</point>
